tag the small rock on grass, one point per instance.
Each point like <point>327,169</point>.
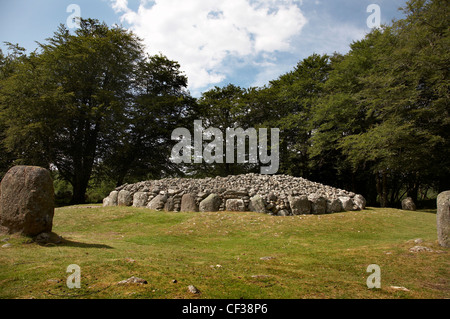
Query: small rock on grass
<point>417,249</point>
<point>133,280</point>
<point>7,245</point>
<point>267,258</point>
<point>399,288</point>
<point>193,290</point>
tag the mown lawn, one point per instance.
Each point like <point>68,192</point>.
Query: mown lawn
<point>220,253</point>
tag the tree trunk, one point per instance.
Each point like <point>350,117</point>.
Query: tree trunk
<point>382,188</point>
<point>79,193</point>
<point>385,191</point>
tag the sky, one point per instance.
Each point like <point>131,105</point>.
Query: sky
<point>216,42</point>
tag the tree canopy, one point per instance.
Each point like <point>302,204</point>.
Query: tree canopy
<point>375,120</point>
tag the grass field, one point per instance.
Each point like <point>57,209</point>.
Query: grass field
<point>220,253</point>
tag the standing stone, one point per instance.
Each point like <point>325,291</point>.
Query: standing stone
<point>235,205</point>
<point>158,202</point>
<point>443,218</point>
<point>334,206</point>
<point>257,204</point>
<point>210,203</point>
<point>124,198</point>
<point>300,205</point>
<point>347,203</point>
<point>408,204</point>
<point>318,204</point>
<point>359,201</point>
<point>188,203</point>
<point>27,200</point>
<point>140,199</point>
<point>169,206</point>
<point>111,200</point>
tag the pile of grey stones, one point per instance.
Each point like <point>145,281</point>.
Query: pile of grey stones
<point>280,195</point>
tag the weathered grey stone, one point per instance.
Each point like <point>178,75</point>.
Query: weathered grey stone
<point>193,290</point>
<point>210,203</point>
<point>271,197</point>
<point>443,218</point>
<point>157,203</point>
<point>418,249</point>
<point>111,200</point>
<point>27,200</point>
<point>300,205</point>
<point>235,205</point>
<point>408,204</point>
<point>318,204</point>
<point>169,206</point>
<point>133,280</point>
<point>347,203</point>
<point>257,204</point>
<point>275,192</point>
<point>188,203</point>
<point>283,212</point>
<point>359,201</point>
<point>140,199</point>
<point>125,198</point>
<point>334,206</point>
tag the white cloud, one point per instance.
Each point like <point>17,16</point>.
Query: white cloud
<point>201,34</point>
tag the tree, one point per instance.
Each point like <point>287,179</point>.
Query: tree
<point>407,96</point>
<point>287,103</point>
<point>74,103</point>
<point>161,104</point>
<point>222,108</point>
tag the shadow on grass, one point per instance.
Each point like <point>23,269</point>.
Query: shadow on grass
<point>69,243</point>
<point>53,240</point>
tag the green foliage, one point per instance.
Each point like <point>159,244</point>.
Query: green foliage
<point>375,120</point>
<point>87,103</point>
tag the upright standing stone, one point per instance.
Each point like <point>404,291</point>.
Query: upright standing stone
<point>235,205</point>
<point>334,206</point>
<point>158,202</point>
<point>124,198</point>
<point>443,218</point>
<point>257,204</point>
<point>408,204</point>
<point>169,206</point>
<point>359,201</point>
<point>27,200</point>
<point>347,203</point>
<point>210,203</point>
<point>111,200</point>
<point>300,205</point>
<point>188,203</point>
<point>318,204</point>
<point>140,199</point>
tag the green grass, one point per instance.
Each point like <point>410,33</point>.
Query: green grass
<point>314,256</point>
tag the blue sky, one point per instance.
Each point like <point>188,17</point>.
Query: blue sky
<point>244,42</point>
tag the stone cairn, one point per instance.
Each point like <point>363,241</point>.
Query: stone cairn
<point>280,195</point>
